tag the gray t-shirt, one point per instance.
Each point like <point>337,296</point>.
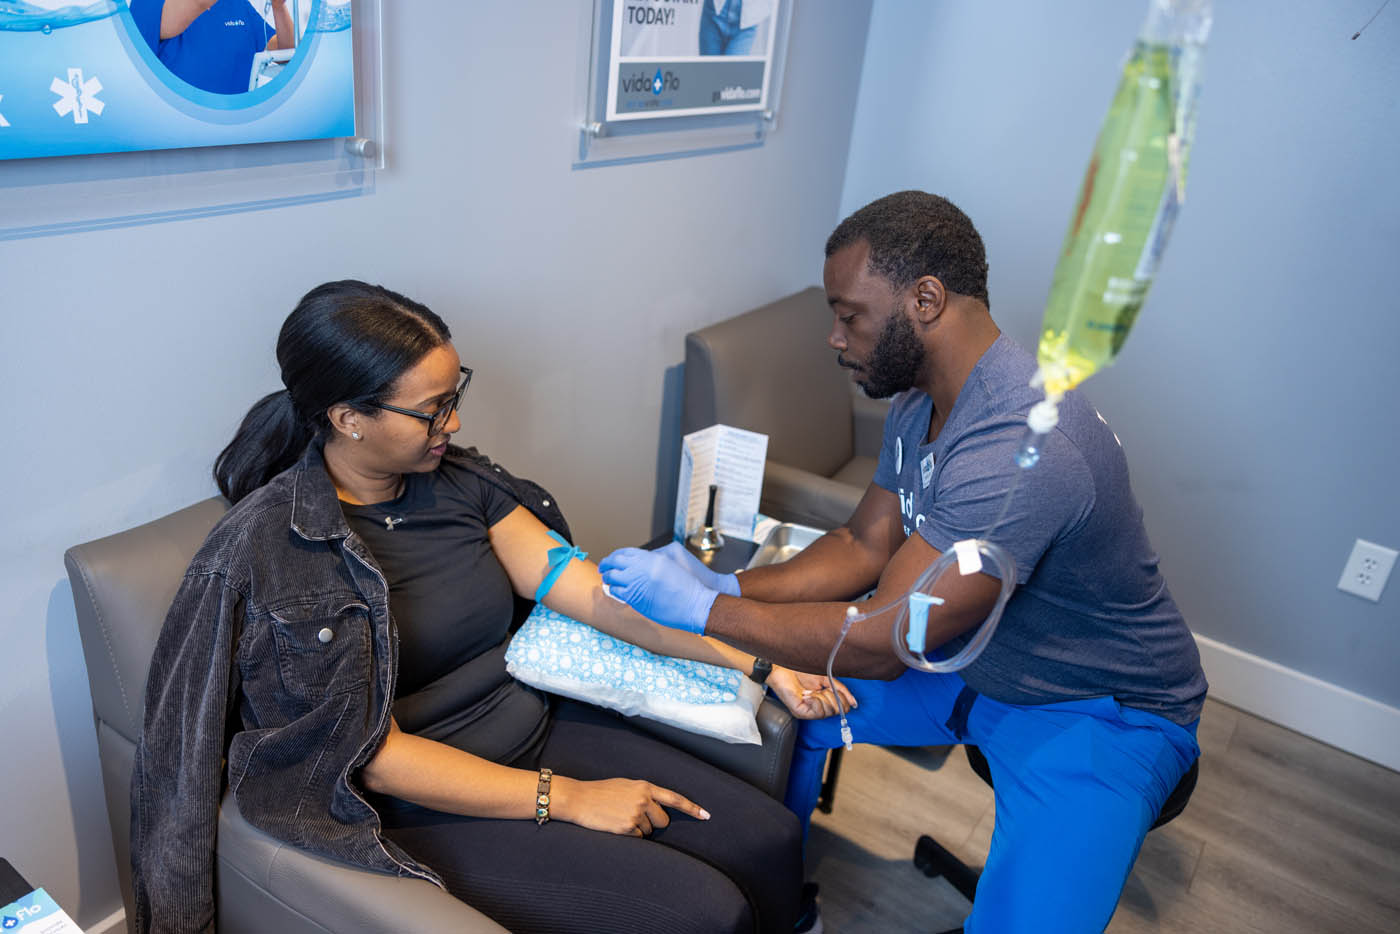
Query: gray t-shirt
<point>1091,615</point>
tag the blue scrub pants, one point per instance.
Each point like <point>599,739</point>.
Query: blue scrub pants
<point>1077,786</point>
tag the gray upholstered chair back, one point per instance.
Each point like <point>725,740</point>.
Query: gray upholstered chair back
<point>122,588</point>
<point>770,370</point>
<point>779,377</point>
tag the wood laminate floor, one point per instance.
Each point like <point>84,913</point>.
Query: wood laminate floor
<point>1283,834</point>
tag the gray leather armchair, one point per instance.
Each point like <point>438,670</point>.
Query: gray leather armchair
<point>122,587</point>
<point>770,370</point>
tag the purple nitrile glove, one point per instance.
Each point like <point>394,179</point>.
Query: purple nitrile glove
<point>657,588</point>
<point>681,556</point>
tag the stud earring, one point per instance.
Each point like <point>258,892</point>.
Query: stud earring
<point>355,435</point>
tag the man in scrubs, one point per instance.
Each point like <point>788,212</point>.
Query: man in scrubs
<point>211,43</point>
<point>1086,700</point>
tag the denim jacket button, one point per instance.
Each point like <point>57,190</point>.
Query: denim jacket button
<point>326,635</point>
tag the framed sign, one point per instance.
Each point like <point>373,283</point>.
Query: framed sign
<point>125,75</point>
<point>690,57</point>
<point>664,79</point>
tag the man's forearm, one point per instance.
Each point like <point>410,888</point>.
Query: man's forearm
<point>834,567</point>
<point>800,636</point>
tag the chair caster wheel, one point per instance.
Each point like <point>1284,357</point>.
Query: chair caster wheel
<point>931,858</point>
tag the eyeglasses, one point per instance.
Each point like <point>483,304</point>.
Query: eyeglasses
<point>438,420</point>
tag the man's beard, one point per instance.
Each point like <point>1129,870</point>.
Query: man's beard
<point>895,362</point>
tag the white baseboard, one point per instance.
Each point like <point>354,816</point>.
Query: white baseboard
<point>114,923</point>
<point>1327,713</point>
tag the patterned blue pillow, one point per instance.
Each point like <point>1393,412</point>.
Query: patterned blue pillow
<point>564,656</point>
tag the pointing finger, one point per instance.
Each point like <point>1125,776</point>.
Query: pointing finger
<point>680,802</point>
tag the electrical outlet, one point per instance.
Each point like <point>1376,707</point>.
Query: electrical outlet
<point>1367,569</point>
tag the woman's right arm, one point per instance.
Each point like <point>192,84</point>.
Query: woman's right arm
<point>445,778</point>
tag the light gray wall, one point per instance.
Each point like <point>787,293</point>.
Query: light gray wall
<point>1256,394</point>
<point>129,355</point>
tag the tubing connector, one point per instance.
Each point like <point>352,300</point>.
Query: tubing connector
<point>1044,416</point>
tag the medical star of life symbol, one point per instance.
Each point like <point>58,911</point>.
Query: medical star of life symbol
<point>77,96</point>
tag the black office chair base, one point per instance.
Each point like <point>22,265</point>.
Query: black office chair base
<point>935,861</point>
<point>833,769</point>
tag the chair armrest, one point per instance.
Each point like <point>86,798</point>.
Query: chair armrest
<point>263,884</point>
<point>868,424</point>
<point>796,495</point>
<point>765,766</point>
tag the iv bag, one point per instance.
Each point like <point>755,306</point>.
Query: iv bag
<point>1135,183</point>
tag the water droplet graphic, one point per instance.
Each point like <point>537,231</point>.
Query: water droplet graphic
<point>47,29</point>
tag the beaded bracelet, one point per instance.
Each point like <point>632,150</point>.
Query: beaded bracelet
<point>542,797</point>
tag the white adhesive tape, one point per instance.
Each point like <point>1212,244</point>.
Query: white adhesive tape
<point>969,558</point>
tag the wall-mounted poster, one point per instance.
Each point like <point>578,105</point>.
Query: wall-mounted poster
<point>688,57</point>
<point>119,75</point>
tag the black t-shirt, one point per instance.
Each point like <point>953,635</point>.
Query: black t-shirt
<point>452,602</point>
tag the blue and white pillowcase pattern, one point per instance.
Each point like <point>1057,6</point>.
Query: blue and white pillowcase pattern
<point>554,644</point>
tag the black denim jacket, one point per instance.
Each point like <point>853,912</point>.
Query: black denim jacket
<point>275,671</point>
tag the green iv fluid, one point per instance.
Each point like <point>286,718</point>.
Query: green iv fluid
<point>1128,201</point>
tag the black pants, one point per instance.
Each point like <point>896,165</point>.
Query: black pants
<point>739,871</point>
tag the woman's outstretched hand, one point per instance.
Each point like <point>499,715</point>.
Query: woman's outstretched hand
<point>808,697</point>
<point>619,805</point>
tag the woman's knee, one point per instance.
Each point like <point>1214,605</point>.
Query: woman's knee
<point>725,910</point>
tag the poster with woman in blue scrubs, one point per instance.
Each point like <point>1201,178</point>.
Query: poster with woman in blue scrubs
<point>121,75</point>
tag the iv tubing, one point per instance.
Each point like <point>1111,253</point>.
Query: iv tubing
<point>1000,557</point>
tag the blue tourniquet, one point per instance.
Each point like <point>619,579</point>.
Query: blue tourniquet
<point>558,560</point>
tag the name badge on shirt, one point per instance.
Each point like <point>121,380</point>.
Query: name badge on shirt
<point>926,469</point>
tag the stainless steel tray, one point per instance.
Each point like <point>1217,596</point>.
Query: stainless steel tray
<point>783,542</point>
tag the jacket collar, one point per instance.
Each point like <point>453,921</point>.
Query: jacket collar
<point>316,514</point>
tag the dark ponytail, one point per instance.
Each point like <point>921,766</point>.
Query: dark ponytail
<point>269,440</point>
<point>345,342</point>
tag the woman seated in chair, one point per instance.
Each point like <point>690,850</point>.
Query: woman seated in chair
<point>335,654</point>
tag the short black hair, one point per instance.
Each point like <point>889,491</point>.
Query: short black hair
<point>914,234</point>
